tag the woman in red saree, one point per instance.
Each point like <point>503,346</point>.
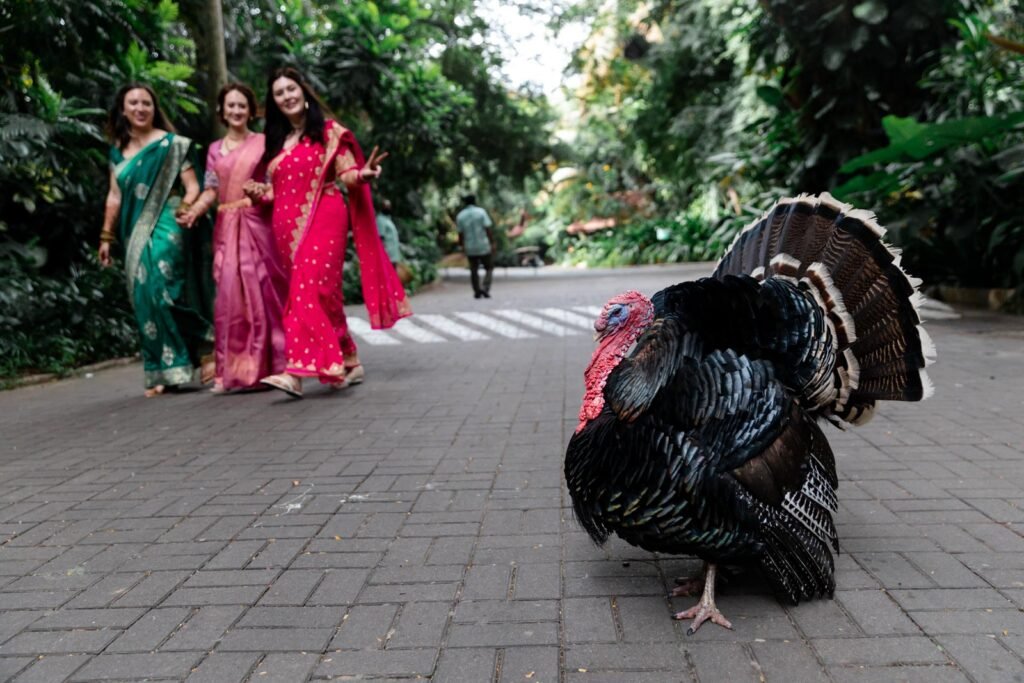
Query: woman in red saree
<point>305,155</point>
<point>252,286</point>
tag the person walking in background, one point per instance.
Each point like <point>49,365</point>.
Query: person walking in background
<point>252,286</point>
<point>476,237</point>
<point>166,275</point>
<point>305,154</point>
<point>389,233</point>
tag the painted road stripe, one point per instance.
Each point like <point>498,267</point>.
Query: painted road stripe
<point>450,327</point>
<point>494,325</point>
<point>569,317</point>
<point>536,323</point>
<point>362,329</point>
<point>407,328</point>
<point>590,310</point>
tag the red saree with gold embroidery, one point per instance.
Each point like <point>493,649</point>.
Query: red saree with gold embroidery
<point>311,223</point>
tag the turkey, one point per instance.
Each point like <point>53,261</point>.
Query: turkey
<point>700,432</point>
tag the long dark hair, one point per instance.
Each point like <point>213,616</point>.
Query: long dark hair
<point>118,129</point>
<point>247,93</point>
<point>277,125</point>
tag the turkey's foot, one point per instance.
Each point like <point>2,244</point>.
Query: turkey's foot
<point>688,586</point>
<point>705,609</point>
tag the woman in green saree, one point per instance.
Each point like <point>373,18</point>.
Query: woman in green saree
<point>166,282</point>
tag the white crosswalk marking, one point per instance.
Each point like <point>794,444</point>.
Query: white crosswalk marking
<point>362,329</point>
<point>434,328</point>
<point>450,327</point>
<point>569,317</point>
<point>536,323</point>
<point>494,325</point>
<point>407,328</point>
<point>590,310</point>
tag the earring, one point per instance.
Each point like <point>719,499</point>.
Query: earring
<point>307,104</point>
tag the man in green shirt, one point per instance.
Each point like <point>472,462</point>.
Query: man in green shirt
<point>476,237</point>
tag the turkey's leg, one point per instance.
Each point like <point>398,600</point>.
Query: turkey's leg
<point>705,609</point>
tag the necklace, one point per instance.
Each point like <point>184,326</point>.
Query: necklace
<point>231,143</point>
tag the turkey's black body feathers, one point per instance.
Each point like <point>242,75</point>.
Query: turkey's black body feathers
<point>708,442</point>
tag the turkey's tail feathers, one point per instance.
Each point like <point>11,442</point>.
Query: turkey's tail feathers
<point>798,533</point>
<point>836,253</point>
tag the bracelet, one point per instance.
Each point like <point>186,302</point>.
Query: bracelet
<point>183,208</point>
<point>106,236</point>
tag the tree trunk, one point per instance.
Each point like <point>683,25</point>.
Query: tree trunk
<point>205,20</point>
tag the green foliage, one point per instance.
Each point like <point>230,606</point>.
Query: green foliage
<point>53,324</point>
<point>951,189</point>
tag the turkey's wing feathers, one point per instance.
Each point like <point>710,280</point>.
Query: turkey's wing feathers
<point>634,384</point>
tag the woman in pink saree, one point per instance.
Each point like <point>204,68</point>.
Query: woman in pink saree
<point>305,155</point>
<point>252,286</point>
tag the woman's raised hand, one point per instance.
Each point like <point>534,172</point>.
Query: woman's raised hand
<point>372,169</point>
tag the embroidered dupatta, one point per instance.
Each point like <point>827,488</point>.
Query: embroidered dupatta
<point>383,293</point>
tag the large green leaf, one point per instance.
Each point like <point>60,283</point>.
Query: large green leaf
<point>911,140</point>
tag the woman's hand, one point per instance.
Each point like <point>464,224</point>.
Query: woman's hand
<point>254,190</point>
<point>187,219</point>
<point>372,170</point>
<point>104,255</point>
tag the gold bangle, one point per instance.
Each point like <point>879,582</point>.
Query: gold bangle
<point>183,208</point>
<point>106,236</point>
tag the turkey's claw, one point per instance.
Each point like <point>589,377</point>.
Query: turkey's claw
<point>705,609</point>
<point>700,613</point>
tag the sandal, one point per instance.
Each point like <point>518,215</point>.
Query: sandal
<point>207,370</point>
<point>355,374</point>
<point>289,384</point>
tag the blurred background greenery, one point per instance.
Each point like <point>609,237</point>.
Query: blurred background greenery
<point>680,121</point>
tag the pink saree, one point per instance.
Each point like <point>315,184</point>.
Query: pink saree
<point>252,286</point>
<point>311,223</point>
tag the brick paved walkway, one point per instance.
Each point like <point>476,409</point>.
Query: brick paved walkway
<point>415,527</point>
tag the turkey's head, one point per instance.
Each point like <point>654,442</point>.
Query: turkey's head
<point>622,320</point>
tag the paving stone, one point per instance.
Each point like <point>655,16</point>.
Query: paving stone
<point>529,665</point>
<point>339,587</point>
<point>365,627</point>
<point>972,621</point>
<point>153,628</point>
<point>723,662</point>
<point>279,667</point>
<point>421,624</point>
<point>588,620</point>
<point>88,619</point>
<point>788,661</point>
<point>458,665</point>
<point>950,599</point>
<point>378,663</point>
<point>876,613</point>
<point>223,667</point>
<point>880,650</point>
<point>898,674</point>
<point>177,665</point>
<point>10,666</point>
<point>290,639</point>
<point>982,658</point>
<point>57,642</point>
<point>204,628</point>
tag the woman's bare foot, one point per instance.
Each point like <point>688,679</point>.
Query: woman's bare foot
<point>154,391</point>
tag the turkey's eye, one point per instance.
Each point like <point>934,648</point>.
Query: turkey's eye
<point>616,314</point>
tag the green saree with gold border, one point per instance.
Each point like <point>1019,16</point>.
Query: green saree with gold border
<point>166,266</point>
